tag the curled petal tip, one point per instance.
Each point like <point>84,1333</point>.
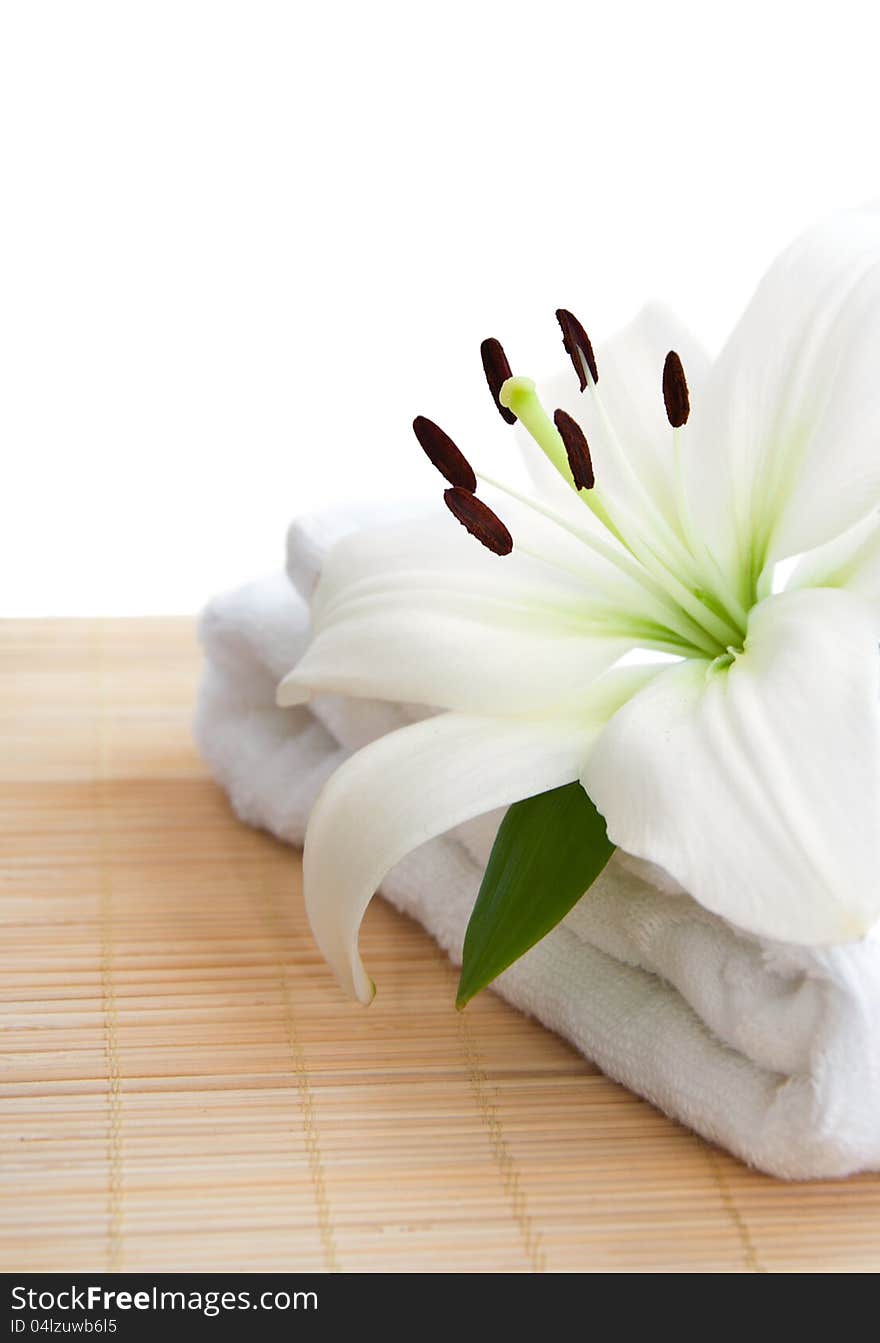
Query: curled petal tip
<point>362,987</point>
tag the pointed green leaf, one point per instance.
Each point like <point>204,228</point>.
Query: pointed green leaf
<point>548,851</point>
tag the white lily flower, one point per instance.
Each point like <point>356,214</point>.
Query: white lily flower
<point>745,758</point>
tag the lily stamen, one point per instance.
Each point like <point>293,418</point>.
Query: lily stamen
<point>497,370</point>
<point>660,551</point>
<point>578,347</point>
<point>676,397</point>
<point>577,450</point>
<point>667,612</point>
<point>695,616</point>
<point>444,454</point>
<point>519,396</point>
<point>491,532</point>
<point>661,541</point>
<point>479,520</point>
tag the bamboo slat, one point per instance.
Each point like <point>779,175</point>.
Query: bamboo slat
<point>184,1088</point>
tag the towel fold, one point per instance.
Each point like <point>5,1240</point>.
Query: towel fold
<point>771,1051</point>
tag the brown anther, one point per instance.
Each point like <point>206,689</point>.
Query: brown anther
<point>479,520</point>
<point>675,391</point>
<point>577,450</point>
<point>577,346</point>
<point>497,371</point>
<point>442,452</point>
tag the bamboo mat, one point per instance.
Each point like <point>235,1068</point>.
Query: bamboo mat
<point>184,1088</point>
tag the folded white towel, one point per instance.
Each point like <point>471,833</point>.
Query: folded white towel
<point>772,1051</point>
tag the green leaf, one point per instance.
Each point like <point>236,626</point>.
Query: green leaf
<point>548,851</point>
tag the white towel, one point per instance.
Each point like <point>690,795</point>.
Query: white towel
<point>771,1051</point>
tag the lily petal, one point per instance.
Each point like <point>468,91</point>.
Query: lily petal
<point>459,653</point>
<point>433,549</point>
<point>779,454</point>
<point>468,631</point>
<point>405,789</point>
<point>758,787</point>
<point>851,561</point>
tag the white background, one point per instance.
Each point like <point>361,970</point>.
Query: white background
<point>242,244</point>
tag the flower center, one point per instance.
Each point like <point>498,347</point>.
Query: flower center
<point>677,599</point>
